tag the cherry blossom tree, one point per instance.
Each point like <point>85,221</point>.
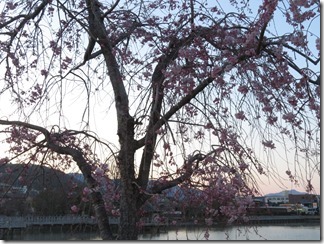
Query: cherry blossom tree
<point>201,95</point>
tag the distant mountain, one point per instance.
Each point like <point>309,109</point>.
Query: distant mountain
<point>36,177</point>
<point>283,193</point>
<point>77,176</point>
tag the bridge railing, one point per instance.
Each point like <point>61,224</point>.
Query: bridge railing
<point>22,222</point>
<point>16,222</point>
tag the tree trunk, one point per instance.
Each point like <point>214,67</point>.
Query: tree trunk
<point>129,191</point>
<point>128,228</point>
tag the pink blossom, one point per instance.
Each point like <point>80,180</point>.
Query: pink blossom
<point>10,5</point>
<point>199,135</point>
<point>267,108</point>
<point>243,166</point>
<point>240,115</point>
<point>209,159</point>
<point>318,44</point>
<point>228,67</point>
<point>298,39</point>
<point>166,146</point>
<point>99,172</point>
<point>269,144</point>
<point>85,199</point>
<point>55,48</point>
<point>260,169</point>
<point>44,72</point>
<point>250,39</point>
<point>232,60</point>
<point>104,167</point>
<point>289,117</point>
<point>66,62</point>
<point>115,212</point>
<point>243,89</point>
<point>4,160</point>
<point>292,100</point>
<point>74,209</point>
<point>272,119</point>
<point>208,126</point>
<point>229,39</point>
<point>86,191</point>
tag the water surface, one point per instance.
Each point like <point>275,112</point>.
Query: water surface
<point>266,232</point>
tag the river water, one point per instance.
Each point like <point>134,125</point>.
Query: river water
<point>266,232</point>
<point>271,232</point>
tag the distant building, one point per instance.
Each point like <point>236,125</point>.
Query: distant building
<point>277,198</point>
<point>281,197</point>
<point>292,197</point>
<point>259,201</point>
<point>309,200</point>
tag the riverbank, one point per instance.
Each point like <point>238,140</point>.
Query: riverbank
<point>282,219</point>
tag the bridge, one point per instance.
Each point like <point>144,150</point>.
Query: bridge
<point>9,222</point>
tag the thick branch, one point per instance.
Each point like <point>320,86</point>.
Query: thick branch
<point>98,32</point>
<point>25,17</point>
<point>111,9</point>
<point>45,132</point>
<point>77,155</point>
<point>189,169</point>
<point>125,121</point>
<point>89,55</point>
<point>192,13</point>
<point>149,140</point>
<point>258,50</point>
<point>95,195</point>
<point>157,98</point>
<point>185,100</point>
